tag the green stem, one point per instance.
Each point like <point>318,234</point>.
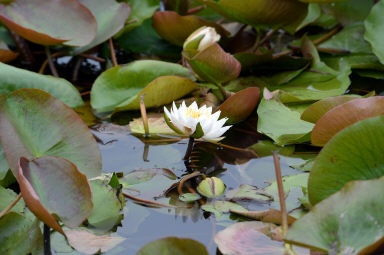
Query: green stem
<point>189,149</point>
<point>222,91</point>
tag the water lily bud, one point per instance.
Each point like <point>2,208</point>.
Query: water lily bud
<point>211,187</point>
<point>201,39</point>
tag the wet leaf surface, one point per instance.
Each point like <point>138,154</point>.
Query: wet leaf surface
<point>48,181</point>
<point>375,22</point>
<point>352,154</point>
<point>333,224</point>
<point>345,115</point>
<point>37,124</point>
<point>33,20</point>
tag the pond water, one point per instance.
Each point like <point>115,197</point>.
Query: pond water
<point>124,152</point>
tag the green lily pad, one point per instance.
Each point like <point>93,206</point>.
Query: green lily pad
<point>122,83</point>
<point>248,192</point>
<point>3,164</point>
<point>189,197</point>
<point>355,153</point>
<point>295,187</point>
<point>156,125</point>
<point>34,123</point>
<point>107,204</point>
<point>265,148</point>
<point>20,235</point>
<point>374,25</point>
<point>140,11</point>
<point>13,78</point>
<point>281,124</point>
<point>350,38</point>
<point>163,90</point>
<point>173,245</point>
<point>315,111</point>
<point>349,12</point>
<point>48,23</point>
<point>345,115</point>
<point>49,185</point>
<point>176,28</point>
<point>274,14</point>
<point>110,17</point>
<point>6,198</point>
<point>348,222</point>
<point>240,105</point>
<point>220,208</point>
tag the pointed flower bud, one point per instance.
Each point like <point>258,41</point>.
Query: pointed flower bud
<point>201,39</point>
<point>211,187</point>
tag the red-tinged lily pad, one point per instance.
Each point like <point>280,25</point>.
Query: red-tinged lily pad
<point>110,17</point>
<point>355,153</point>
<point>348,222</point>
<point>88,243</point>
<point>6,55</point>
<point>176,28</point>
<point>345,115</point>
<point>50,22</point>
<point>33,124</point>
<point>277,13</point>
<point>249,238</point>
<point>52,185</point>
<point>163,90</point>
<point>239,106</point>
<point>213,64</point>
<point>123,83</point>
<point>173,245</point>
<point>315,111</point>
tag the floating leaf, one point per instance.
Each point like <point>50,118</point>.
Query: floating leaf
<point>374,25</point>
<point>176,28</point>
<point>248,192</point>
<point>6,55</point>
<point>107,204</point>
<point>7,196</point>
<point>219,208</point>
<point>110,17</point>
<point>140,11</point>
<point>315,111</point>
<point>281,124</point>
<point>349,12</point>
<point>121,83</point>
<point>249,238</point>
<point>265,148</point>
<point>355,153</point>
<point>163,90</point>
<point>271,215</point>
<point>350,38</point>
<point>88,243</point>
<point>156,124</point>
<point>262,13</point>
<point>173,245</point>
<point>239,106</point>
<point>34,123</point>
<point>52,185</point>
<point>145,40</point>
<point>146,174</point>
<point>348,222</point>
<point>345,115</point>
<point>13,78</point>
<point>50,22</point>
<point>189,197</point>
<point>213,64</point>
<point>20,235</point>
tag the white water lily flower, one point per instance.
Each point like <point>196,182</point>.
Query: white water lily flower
<point>206,36</point>
<point>185,120</point>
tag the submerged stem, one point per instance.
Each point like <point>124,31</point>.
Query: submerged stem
<point>47,240</point>
<point>222,91</point>
<point>189,149</point>
<point>50,62</point>
<point>112,50</point>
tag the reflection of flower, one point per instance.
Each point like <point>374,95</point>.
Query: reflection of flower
<point>185,120</point>
<point>201,39</point>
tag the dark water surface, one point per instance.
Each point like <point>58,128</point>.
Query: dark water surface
<point>123,152</point>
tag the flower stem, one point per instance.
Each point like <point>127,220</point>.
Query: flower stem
<point>47,240</point>
<point>222,91</point>
<point>189,149</point>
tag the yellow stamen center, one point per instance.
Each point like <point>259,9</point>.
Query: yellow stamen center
<point>196,113</point>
